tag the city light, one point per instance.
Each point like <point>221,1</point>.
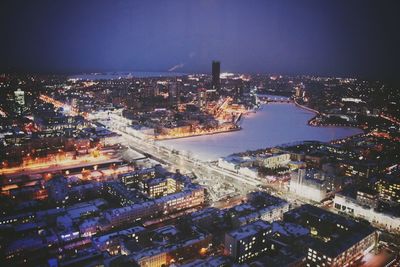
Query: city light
<point>199,133</point>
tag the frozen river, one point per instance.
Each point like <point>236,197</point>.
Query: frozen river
<point>272,125</point>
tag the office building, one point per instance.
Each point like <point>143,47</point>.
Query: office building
<point>389,188</point>
<point>313,185</point>
<point>248,241</point>
<point>132,179</point>
<point>273,161</point>
<point>353,207</point>
<point>189,198</point>
<point>334,240</point>
<point>159,187</point>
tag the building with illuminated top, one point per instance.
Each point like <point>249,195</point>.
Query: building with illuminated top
<point>192,196</point>
<point>159,187</point>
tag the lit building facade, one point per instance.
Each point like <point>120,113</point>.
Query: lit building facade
<point>275,161</point>
<point>389,189</point>
<point>334,240</point>
<point>321,256</point>
<point>159,187</point>
<point>353,208</point>
<point>132,179</point>
<point>248,242</point>
<point>188,198</point>
<point>313,186</point>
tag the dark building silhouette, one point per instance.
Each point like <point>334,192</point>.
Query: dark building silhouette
<point>173,92</point>
<point>216,69</point>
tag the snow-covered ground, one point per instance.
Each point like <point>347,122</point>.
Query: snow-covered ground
<point>272,125</point>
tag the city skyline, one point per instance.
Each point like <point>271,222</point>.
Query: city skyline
<point>329,38</point>
<point>209,133</point>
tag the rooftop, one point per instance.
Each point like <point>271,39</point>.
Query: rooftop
<point>249,230</point>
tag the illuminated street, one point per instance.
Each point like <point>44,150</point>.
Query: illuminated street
<point>208,133</point>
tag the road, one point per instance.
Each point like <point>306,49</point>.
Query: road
<point>225,188</point>
<point>219,182</point>
<point>383,258</point>
<point>57,165</point>
<point>208,174</point>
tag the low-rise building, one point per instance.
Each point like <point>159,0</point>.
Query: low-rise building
<point>111,242</point>
<point>190,197</point>
<point>259,205</point>
<point>234,163</point>
<point>353,207</point>
<point>273,161</point>
<point>189,242</point>
<point>57,188</point>
<point>335,240</point>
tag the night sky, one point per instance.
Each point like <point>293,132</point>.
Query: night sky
<point>324,37</point>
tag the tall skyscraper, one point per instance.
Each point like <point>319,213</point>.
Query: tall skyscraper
<point>216,69</point>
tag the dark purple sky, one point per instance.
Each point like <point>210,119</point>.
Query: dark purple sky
<point>327,37</point>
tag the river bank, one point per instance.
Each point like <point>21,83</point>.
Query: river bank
<point>271,125</point>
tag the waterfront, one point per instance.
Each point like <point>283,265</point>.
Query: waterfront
<point>123,75</point>
<point>272,125</point>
